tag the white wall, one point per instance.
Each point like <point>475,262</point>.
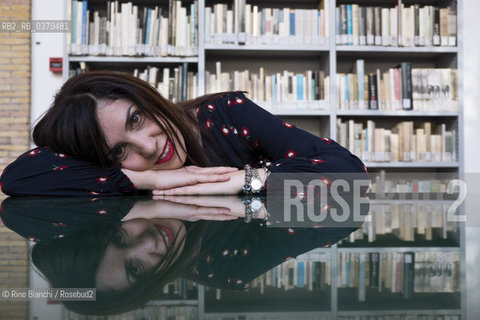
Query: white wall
<point>44,85</point>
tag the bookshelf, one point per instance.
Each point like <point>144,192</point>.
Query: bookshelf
<point>237,51</point>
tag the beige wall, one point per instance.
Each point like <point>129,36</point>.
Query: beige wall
<point>14,139</point>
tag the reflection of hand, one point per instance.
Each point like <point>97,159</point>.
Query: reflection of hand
<point>177,178</point>
<point>162,208</point>
<point>232,186</point>
<point>233,204</point>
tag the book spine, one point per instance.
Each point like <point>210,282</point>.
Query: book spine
<point>372,92</point>
<point>406,71</point>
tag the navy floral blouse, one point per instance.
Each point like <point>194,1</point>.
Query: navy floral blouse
<point>242,132</point>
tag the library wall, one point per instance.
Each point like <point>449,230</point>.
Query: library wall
<point>14,83</point>
<point>14,139</point>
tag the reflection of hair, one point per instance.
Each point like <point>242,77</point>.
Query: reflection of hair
<point>70,126</point>
<point>73,262</point>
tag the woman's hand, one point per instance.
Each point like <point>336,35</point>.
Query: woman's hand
<point>176,178</point>
<point>233,205</point>
<point>231,186</point>
<point>183,209</point>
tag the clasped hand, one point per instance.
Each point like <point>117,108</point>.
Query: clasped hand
<point>189,180</point>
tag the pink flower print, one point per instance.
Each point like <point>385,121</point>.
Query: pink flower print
<point>327,140</point>
<point>59,168</point>
<point>300,195</point>
<point>59,224</point>
<point>102,212</point>
<point>225,130</point>
<point>326,181</point>
<point>238,281</point>
<point>225,252</point>
<point>94,193</point>
<point>288,125</point>
<point>317,161</point>
<point>209,124</point>
<point>316,226</point>
<point>34,152</point>
<point>329,244</point>
<point>291,231</point>
<point>60,155</point>
<point>245,132</point>
<point>102,179</point>
<point>290,154</point>
<point>234,130</point>
<point>238,101</point>
<point>326,207</point>
<point>211,107</point>
<point>197,110</point>
<point>210,275</point>
<point>58,236</point>
<point>33,239</point>
<point>229,103</point>
<point>245,252</point>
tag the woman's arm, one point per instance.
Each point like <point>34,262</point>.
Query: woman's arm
<point>43,172</point>
<point>250,135</point>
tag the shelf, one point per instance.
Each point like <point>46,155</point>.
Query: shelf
<point>300,113</point>
<point>266,51</point>
<point>419,50</point>
<point>398,249</point>
<point>278,315</point>
<point>265,47</point>
<point>382,113</point>
<point>411,164</point>
<point>399,312</point>
<point>172,303</point>
<point>105,59</point>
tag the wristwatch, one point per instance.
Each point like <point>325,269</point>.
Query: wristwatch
<point>253,182</point>
<point>253,208</point>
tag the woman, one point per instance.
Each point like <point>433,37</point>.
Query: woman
<point>109,133</point>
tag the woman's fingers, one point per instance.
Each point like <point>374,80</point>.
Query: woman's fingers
<point>210,170</point>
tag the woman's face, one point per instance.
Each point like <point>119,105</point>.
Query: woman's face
<point>139,247</point>
<point>136,141</point>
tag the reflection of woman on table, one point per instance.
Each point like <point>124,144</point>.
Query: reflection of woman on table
<point>130,261</point>
<point>109,133</point>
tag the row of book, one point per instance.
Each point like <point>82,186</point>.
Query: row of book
<point>151,312</point>
<point>310,271</point>
<point>402,25</point>
<point>422,183</point>
<point>126,29</point>
<point>399,88</point>
<point>419,316</point>
<point>311,86</point>
<point>250,24</point>
<point>175,84</point>
<point>400,272</point>
<point>407,222</point>
<point>406,141</point>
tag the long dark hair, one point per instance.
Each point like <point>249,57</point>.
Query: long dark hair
<point>73,262</point>
<point>70,126</point>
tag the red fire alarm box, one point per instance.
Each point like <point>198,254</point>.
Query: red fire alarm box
<point>56,64</point>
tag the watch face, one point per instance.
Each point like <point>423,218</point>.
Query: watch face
<point>256,184</point>
<point>256,205</point>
